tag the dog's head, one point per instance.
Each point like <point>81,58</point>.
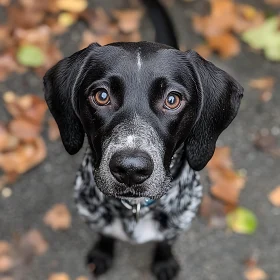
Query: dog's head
<point>138,103</point>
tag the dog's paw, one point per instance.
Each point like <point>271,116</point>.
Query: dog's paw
<point>99,262</point>
<point>165,269</point>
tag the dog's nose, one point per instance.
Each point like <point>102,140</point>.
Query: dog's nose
<point>131,167</point>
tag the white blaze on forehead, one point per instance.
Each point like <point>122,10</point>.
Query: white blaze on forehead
<point>130,139</point>
<point>139,60</point>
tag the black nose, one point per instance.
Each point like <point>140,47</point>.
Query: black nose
<point>131,167</point>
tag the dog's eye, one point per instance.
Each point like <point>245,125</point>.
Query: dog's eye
<point>172,101</point>
<point>101,97</point>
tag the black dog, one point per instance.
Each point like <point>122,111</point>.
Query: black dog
<point>152,115</point>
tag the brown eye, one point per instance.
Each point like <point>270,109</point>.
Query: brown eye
<point>101,97</point>
<point>172,101</point>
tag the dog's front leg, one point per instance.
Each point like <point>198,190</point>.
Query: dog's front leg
<point>100,256</point>
<point>164,265</point>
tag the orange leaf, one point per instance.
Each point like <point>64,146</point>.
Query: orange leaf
<point>255,273</point>
<point>128,20</point>
<point>24,157</point>
<point>274,197</point>
<point>59,276</point>
<point>225,44</point>
<point>264,83</point>
<point>24,129</point>
<point>53,131</point>
<point>221,158</point>
<point>35,240</point>
<point>6,263</point>
<point>58,217</point>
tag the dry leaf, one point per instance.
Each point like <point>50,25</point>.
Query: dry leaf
<point>53,131</point>
<point>6,263</point>
<point>58,217</point>
<point>225,44</point>
<point>273,2</point>
<point>82,278</point>
<point>255,273</point>
<point>128,20</point>
<point>59,276</point>
<point>24,157</point>
<point>264,83</point>
<point>5,2</point>
<point>33,239</point>
<point>8,142</point>
<point>75,6</point>
<point>274,197</point>
<point>266,142</point>
<point>221,158</point>
<point>203,50</point>
<point>5,248</point>
<point>24,129</point>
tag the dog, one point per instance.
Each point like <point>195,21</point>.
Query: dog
<point>152,115</point>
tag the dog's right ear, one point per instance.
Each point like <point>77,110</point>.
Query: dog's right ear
<point>61,83</point>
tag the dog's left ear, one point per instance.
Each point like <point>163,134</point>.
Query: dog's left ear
<point>220,97</point>
<point>61,83</point>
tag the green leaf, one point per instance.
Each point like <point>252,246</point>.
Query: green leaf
<point>29,55</point>
<point>242,220</point>
<point>265,37</point>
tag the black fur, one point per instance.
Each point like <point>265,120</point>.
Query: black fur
<point>138,77</point>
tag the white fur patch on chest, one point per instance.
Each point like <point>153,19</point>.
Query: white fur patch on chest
<point>147,229</point>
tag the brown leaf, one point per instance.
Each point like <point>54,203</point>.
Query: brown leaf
<point>88,38</point>
<point>34,240</point>
<point>8,142</point>
<point>5,2</point>
<point>221,158</point>
<point>273,2</point>
<point>24,129</point>
<point>266,142</point>
<point>58,217</point>
<point>6,263</point>
<point>82,278</point>
<point>227,185</point>
<point>204,50</point>
<point>5,248</point>
<point>264,83</point>
<point>274,197</point>
<point>225,44</point>
<point>75,6</point>
<point>24,157</point>
<point>29,106</point>
<point>128,20</point>
<point>53,131</point>
<point>59,276</point>
<point>255,273</point>
<point>214,211</point>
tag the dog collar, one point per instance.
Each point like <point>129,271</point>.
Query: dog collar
<point>135,208</point>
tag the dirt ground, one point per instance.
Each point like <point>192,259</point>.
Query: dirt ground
<point>204,253</point>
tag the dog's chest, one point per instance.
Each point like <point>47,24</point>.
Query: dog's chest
<point>145,230</point>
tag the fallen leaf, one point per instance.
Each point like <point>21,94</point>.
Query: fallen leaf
<point>5,2</point>
<point>59,276</point>
<point>75,6</point>
<point>270,34</point>
<point>5,248</point>
<point>53,131</point>
<point>203,50</point>
<point>128,20</point>
<point>6,263</point>
<point>264,83</point>
<point>242,220</point>
<point>66,19</point>
<point>34,240</point>
<point>8,142</point>
<point>273,2</point>
<point>23,129</point>
<point>82,278</point>
<point>255,273</point>
<point>225,44</point>
<point>31,56</point>
<point>227,185</point>
<point>24,157</point>
<point>58,217</point>
<point>274,197</point>
<point>221,158</point>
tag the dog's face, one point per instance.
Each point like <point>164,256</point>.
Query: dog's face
<point>138,103</point>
